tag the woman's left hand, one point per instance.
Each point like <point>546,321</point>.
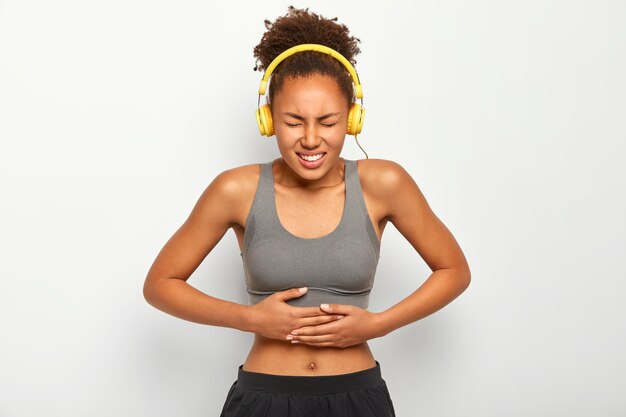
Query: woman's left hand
<point>356,326</point>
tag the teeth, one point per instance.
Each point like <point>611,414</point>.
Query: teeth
<point>312,157</point>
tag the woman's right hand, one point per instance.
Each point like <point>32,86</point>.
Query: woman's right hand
<point>274,318</point>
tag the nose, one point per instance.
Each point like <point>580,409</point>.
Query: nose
<point>310,139</point>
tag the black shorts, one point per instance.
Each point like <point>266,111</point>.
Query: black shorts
<point>356,394</point>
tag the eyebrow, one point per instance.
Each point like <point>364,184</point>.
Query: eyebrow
<point>297,116</point>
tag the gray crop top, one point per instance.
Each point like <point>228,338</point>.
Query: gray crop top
<point>337,268</point>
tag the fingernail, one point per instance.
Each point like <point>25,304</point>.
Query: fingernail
<point>324,305</point>
<point>294,341</point>
<point>296,333</point>
<point>289,337</point>
<point>339,317</point>
<point>303,289</point>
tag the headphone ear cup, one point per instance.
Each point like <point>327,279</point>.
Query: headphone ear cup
<point>264,120</point>
<point>355,119</point>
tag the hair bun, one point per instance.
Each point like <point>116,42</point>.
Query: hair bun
<point>300,26</point>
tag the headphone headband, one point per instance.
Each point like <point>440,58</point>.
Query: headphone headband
<point>311,47</point>
<point>356,113</point>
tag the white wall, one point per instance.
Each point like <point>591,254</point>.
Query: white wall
<point>114,116</point>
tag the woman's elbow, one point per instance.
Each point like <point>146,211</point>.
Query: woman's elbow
<point>149,290</point>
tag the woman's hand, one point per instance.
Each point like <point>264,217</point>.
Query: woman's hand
<point>274,318</point>
<point>357,325</point>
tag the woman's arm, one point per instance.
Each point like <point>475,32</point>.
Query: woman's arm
<point>166,286</point>
<point>410,213</point>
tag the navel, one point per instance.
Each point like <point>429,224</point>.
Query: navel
<point>312,365</point>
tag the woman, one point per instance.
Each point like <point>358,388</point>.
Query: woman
<point>309,226</point>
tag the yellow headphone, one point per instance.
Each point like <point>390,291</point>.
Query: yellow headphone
<point>356,113</point>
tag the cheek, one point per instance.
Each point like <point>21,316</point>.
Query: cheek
<point>286,136</point>
<point>286,139</point>
<point>337,132</point>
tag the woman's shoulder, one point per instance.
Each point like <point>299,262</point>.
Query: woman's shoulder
<point>381,175</point>
<point>235,187</point>
<point>241,172</point>
<point>238,180</point>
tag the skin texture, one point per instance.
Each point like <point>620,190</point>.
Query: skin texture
<point>308,340</point>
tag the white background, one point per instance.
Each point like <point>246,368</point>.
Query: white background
<point>509,115</point>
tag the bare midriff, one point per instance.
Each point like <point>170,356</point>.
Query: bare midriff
<point>279,357</point>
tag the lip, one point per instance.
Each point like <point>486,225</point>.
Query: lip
<point>313,164</point>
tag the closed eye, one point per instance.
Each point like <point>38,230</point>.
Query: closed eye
<point>300,124</point>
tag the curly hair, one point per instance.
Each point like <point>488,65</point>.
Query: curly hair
<point>300,26</point>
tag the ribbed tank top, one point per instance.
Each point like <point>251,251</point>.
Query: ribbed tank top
<point>337,268</point>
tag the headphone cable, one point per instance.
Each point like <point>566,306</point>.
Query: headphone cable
<point>357,142</point>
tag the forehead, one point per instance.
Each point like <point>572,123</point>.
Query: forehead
<point>311,88</point>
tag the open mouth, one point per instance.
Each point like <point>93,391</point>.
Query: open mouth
<point>312,158</point>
